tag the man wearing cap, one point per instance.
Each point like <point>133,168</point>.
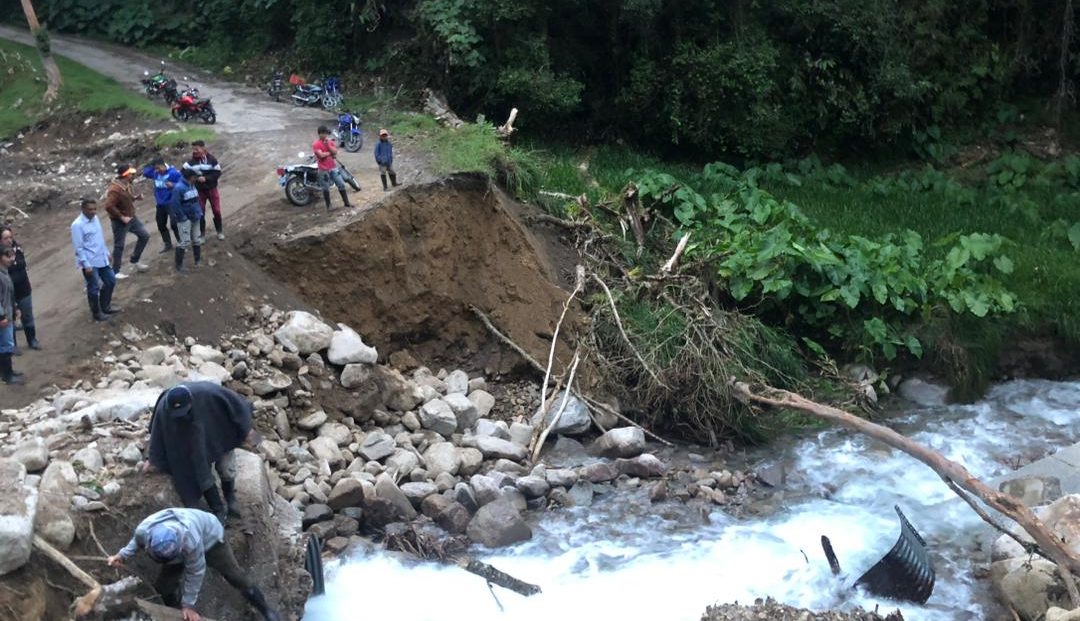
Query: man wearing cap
<point>164,178</point>
<point>92,258</point>
<point>194,429</point>
<point>186,542</point>
<point>384,157</point>
<point>209,171</point>
<point>326,158</point>
<point>120,200</point>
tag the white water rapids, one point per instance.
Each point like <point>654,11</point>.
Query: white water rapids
<point>625,559</point>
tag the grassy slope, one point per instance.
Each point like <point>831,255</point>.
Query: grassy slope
<point>84,90</point>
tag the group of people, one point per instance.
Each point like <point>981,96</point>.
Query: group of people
<point>194,431</point>
<point>16,305</point>
<point>332,172</point>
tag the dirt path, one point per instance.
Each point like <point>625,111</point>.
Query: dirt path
<point>255,136</point>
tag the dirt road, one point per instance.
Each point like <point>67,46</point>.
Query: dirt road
<point>255,136</point>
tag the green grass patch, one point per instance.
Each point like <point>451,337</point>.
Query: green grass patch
<point>185,136</point>
<point>22,85</point>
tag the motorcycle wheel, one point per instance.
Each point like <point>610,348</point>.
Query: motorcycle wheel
<point>209,116</point>
<point>297,193</point>
<point>179,114</point>
<point>298,102</point>
<point>354,143</point>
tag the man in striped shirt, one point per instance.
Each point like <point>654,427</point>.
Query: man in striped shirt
<point>209,171</point>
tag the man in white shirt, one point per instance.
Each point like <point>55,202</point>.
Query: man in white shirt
<point>92,258</point>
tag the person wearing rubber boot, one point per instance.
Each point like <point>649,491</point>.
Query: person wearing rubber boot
<point>7,317</point>
<point>193,431</point>
<point>119,203</point>
<point>209,171</point>
<point>384,157</point>
<point>186,213</point>
<point>24,300</point>
<point>185,542</point>
<point>164,178</point>
<point>326,159</point>
<point>92,259</point>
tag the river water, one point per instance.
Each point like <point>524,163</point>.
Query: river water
<point>624,558</point>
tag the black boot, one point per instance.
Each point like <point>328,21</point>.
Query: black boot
<point>31,337</point>
<point>385,188</point>
<point>197,253</point>
<point>393,180</point>
<point>355,185</point>
<point>228,489</point>
<point>326,198</point>
<point>179,260</point>
<point>213,501</point>
<point>95,308</point>
<point>258,600</point>
<point>7,375</point>
<point>345,199</point>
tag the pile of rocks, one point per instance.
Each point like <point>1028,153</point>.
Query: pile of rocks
<point>770,609</point>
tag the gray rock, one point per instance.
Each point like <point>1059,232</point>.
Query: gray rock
<point>53,522</point>
<point>437,416</point>
<point>454,519</point>
<point>533,487</point>
<point>477,383</point>
<point>18,508</point>
<point>442,457</point>
<point>240,370</point>
<point>402,463</point>
<point>484,488</point>
<point>277,381</point>
<point>464,495</point>
<point>521,434</point>
<point>312,421</point>
<point>345,526</point>
<point>208,354</point>
<point>561,478</point>
<point>131,454</point>
<point>581,494</point>
<point>377,446</point>
<point>1029,586</point>
<point>510,467</point>
<point>471,460</point>
<point>89,459</point>
<point>483,401</point>
<point>316,366</point>
<point>575,418</point>
<point>495,448</point>
<point>346,347</point>
<point>433,504</point>
<point>498,524</point>
<point>445,481</point>
<point>923,393</point>
<point>645,466</point>
<point>513,496</point>
<point>337,432</point>
<point>417,491</point>
<point>33,454</point>
<point>386,489</point>
<point>304,333</point>
<point>315,513</point>
<point>457,382</point>
<point>599,472</point>
<point>1033,490</point>
<point>621,442</point>
<point>411,421</point>
<point>463,409</point>
<point>161,376</point>
<point>215,372</point>
<point>323,448</point>
<point>494,429</point>
<point>567,453</point>
<point>154,355</point>
<point>348,492</point>
<point>400,394</point>
<point>354,375</point>
<point>773,475</point>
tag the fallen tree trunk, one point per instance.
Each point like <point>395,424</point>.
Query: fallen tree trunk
<point>435,104</point>
<point>954,475</point>
<point>498,577</point>
<point>84,604</point>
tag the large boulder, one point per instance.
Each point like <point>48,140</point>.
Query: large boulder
<point>1030,587</point>
<point>498,524</point>
<point>304,333</point>
<point>53,521</point>
<point>33,454</point>
<point>645,466</point>
<point>346,347</point>
<point>348,492</point>
<point>621,442</point>
<point>923,393</point>
<point>18,508</point>
<point>575,418</point>
<point>399,394</point>
<point>497,448</point>
<point>386,489</point>
<point>437,416</point>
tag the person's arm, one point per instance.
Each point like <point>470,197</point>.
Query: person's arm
<point>149,173</point>
<point>80,250</point>
<point>194,570</point>
<point>112,198</point>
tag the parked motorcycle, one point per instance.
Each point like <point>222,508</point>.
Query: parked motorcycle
<point>191,105</point>
<point>169,92</point>
<point>153,85</point>
<point>301,181</point>
<point>327,94</point>
<point>277,85</point>
<point>348,133</point>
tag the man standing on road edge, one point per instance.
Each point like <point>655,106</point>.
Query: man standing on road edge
<point>92,258</point>
<point>120,200</point>
<point>7,317</point>
<point>164,178</point>
<point>384,157</point>
<point>325,152</point>
<point>209,171</point>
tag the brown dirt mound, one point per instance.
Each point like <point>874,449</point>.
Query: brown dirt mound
<point>405,274</point>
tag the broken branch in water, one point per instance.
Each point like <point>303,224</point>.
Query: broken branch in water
<point>498,577</point>
<point>950,471</point>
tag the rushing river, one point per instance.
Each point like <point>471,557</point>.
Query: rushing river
<point>626,559</point>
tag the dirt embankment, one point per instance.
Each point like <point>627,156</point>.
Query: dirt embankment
<point>407,274</point>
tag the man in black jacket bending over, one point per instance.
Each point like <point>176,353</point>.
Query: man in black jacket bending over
<point>209,171</point>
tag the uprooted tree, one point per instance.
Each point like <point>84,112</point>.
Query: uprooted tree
<point>41,37</point>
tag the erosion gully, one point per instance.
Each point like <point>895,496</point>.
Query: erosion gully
<point>625,558</point>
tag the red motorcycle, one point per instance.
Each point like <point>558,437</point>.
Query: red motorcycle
<point>190,105</point>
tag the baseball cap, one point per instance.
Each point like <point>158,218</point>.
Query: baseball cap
<point>163,544</point>
<point>383,132</point>
<point>178,401</point>
<point>125,170</point>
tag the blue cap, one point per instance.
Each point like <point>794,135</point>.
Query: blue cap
<point>178,401</point>
<point>164,544</point>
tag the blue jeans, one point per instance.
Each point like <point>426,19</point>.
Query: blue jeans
<point>26,310</point>
<point>7,337</point>
<point>100,283</point>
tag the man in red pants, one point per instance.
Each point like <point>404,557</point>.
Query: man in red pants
<point>206,183</point>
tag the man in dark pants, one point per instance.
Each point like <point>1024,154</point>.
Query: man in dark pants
<point>194,429</point>
<point>92,258</point>
<point>209,171</point>
<point>164,178</point>
<point>186,542</point>
<point>325,151</point>
<point>384,157</point>
<point>120,200</point>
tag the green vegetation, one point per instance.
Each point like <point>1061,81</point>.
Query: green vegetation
<point>22,84</point>
<point>184,136</point>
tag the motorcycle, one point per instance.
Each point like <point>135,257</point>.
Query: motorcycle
<point>327,94</point>
<point>348,133</point>
<point>301,181</point>
<point>153,85</point>
<point>169,92</point>
<point>277,85</point>
<point>191,105</point>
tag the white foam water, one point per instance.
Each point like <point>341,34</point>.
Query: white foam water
<point>624,558</point>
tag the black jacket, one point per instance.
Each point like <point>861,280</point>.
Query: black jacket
<point>19,277</point>
<point>207,167</point>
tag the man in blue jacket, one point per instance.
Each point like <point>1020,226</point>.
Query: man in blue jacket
<point>164,178</point>
<point>384,157</point>
<point>186,213</point>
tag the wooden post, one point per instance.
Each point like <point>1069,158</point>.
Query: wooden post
<point>41,37</point>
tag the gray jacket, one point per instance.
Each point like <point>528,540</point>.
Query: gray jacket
<point>7,296</point>
<point>198,530</point>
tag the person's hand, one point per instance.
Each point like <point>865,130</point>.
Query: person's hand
<point>189,614</point>
<point>88,270</point>
<point>3,323</point>
<point>115,561</point>
<point>169,184</point>
<point>18,314</point>
<point>201,179</point>
<point>147,467</point>
<point>125,219</point>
